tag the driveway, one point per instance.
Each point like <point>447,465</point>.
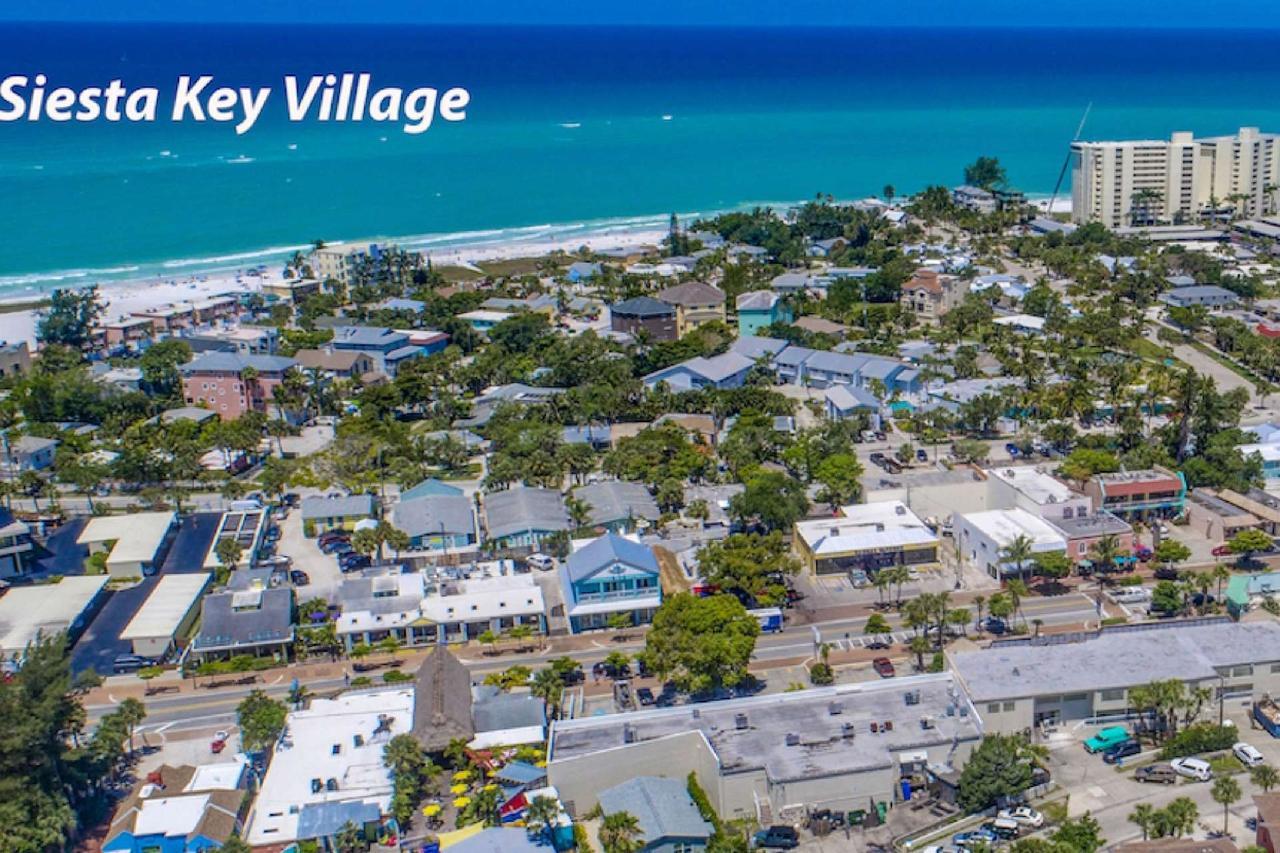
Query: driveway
<point>100,644</point>
<point>191,544</point>
<point>323,569</point>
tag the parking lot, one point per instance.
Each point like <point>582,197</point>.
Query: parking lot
<point>1109,793</point>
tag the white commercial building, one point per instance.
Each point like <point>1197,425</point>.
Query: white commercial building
<point>1038,492</point>
<point>1146,182</point>
<point>865,537</point>
<point>417,612</point>
<point>1016,684</point>
<point>982,537</point>
<point>45,609</point>
<point>167,613</point>
<point>133,542</point>
<point>328,767</point>
<point>845,747</point>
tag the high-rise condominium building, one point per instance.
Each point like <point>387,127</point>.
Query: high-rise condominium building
<point>1148,182</point>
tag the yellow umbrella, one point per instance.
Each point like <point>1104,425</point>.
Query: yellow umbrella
<point>491,787</point>
<point>461,802</point>
<point>462,776</point>
<point>542,763</point>
<point>431,810</point>
<point>458,789</point>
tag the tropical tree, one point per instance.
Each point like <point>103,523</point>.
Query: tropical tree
<point>261,720</point>
<point>877,624</point>
<point>1265,777</point>
<point>1019,552</point>
<point>1226,791</point>
<point>1142,816</point>
<point>541,816</point>
<point>620,833</point>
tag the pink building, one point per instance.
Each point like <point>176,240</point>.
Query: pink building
<point>232,384</point>
<point>1084,531</point>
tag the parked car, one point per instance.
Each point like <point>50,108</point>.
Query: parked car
<point>1121,750</point>
<point>1024,815</point>
<point>1003,829</point>
<point>1223,550</point>
<point>332,534</point>
<point>976,838</point>
<point>1130,594</point>
<point>1192,768</point>
<point>541,562</point>
<point>124,664</point>
<point>922,455</point>
<point>883,667</point>
<point>352,562</point>
<point>1143,553</point>
<point>1107,738</point>
<point>878,644</point>
<point>297,577</point>
<point>778,838</point>
<point>1248,754</point>
<point>995,625</point>
<point>1162,774</point>
<point>1166,573</point>
<point>645,695</point>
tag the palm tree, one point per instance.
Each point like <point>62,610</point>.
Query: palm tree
<point>1017,589</point>
<point>1225,792</point>
<point>1104,553</point>
<point>542,814</point>
<point>978,602</point>
<point>1265,777</point>
<point>919,645</point>
<point>1142,816</point>
<point>1018,551</point>
<point>549,687</point>
<point>619,833</point>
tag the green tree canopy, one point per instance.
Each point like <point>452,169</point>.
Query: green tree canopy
<point>261,720</point>
<point>750,565</point>
<point>702,644</point>
<point>997,768</point>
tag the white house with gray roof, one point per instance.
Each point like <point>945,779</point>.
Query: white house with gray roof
<point>727,370</point>
<point>437,522</point>
<point>320,513</point>
<point>1020,683</point>
<point>618,506</point>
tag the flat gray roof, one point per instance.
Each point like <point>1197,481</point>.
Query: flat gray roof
<point>1117,658</point>
<point>833,726</point>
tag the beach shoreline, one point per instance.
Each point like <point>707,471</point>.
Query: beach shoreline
<point>124,296</point>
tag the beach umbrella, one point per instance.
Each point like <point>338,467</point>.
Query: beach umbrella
<point>462,776</point>
<point>458,789</point>
<point>461,802</point>
<point>491,787</point>
<point>431,810</point>
<point>542,763</point>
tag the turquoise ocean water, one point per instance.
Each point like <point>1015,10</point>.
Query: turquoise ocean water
<point>570,130</point>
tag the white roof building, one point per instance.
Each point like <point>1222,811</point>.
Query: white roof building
<point>862,535</point>
<point>169,608</point>
<point>982,537</point>
<point>328,767</point>
<point>134,540</point>
<point>28,611</point>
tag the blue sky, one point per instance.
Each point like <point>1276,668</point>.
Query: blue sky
<point>1047,13</point>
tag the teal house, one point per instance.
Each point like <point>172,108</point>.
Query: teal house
<point>610,575</point>
<point>760,309</point>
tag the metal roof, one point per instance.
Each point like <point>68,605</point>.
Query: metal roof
<point>522,510</point>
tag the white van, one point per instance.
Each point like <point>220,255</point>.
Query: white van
<point>1248,754</point>
<point>1192,768</point>
<point>542,562</point>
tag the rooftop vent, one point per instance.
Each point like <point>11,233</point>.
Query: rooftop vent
<point>912,697</point>
<point>793,739</point>
<point>875,727</point>
<point>628,733</point>
<point>697,714</point>
<point>951,710</point>
<point>740,721</point>
<point>964,710</point>
<point>900,509</point>
<point>331,784</point>
<point>835,709</point>
<point>926,722</point>
<point>847,730</point>
<point>886,726</point>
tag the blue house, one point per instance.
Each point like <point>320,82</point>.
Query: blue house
<point>522,517</point>
<point>582,271</point>
<point>728,370</point>
<point>430,488</point>
<point>760,309</point>
<point>607,576</point>
<point>180,810</point>
<point>436,522</point>
<point>387,347</point>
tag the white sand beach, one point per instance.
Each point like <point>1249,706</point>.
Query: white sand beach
<point>123,297</point>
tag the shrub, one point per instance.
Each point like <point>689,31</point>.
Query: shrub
<point>1201,737</point>
<point>1129,580</point>
<point>820,673</point>
<point>361,681</point>
<point>395,676</point>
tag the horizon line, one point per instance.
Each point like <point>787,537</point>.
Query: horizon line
<point>1014,27</point>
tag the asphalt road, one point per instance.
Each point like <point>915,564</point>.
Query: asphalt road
<point>214,710</point>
